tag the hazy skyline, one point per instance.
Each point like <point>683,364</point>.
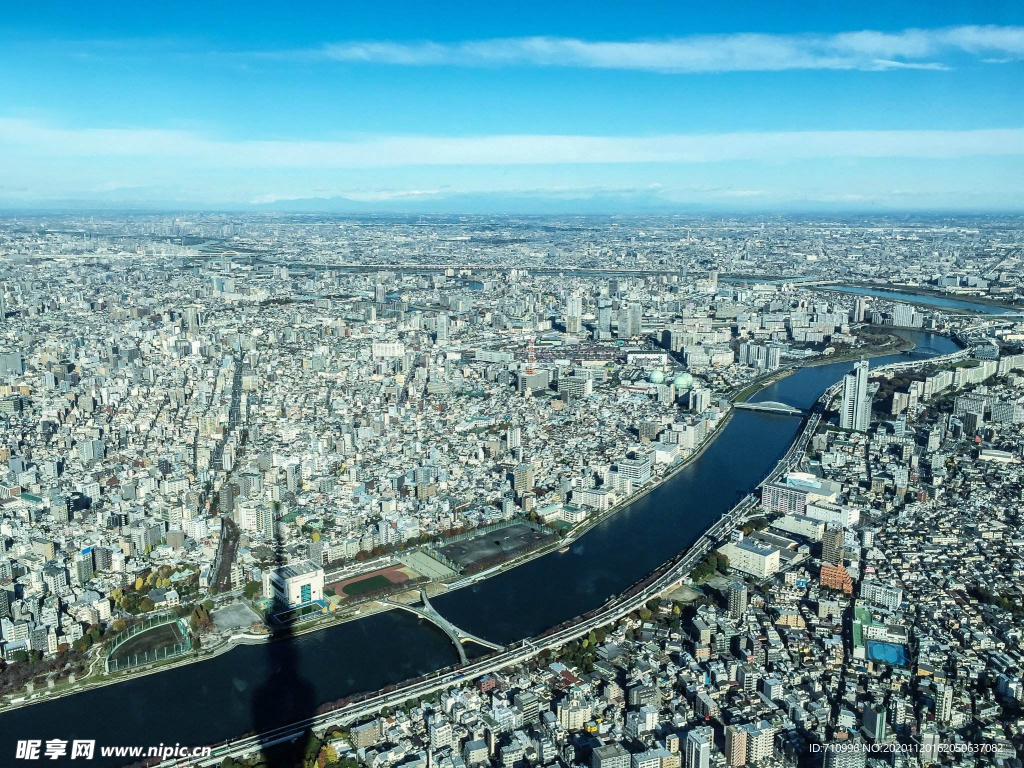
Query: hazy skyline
<point>598,106</point>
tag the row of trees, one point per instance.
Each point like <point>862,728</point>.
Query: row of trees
<point>28,666</point>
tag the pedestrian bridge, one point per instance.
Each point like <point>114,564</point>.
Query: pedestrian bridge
<point>458,636</point>
<point>771,406</point>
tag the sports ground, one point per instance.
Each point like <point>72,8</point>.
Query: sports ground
<point>373,582</point>
<point>150,641</point>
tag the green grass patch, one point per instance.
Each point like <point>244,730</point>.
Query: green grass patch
<point>367,585</point>
<point>746,394</point>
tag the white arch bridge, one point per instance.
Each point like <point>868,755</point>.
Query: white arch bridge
<point>458,636</point>
<point>771,406</point>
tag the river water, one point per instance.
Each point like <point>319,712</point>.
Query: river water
<point>938,301</point>
<point>257,687</point>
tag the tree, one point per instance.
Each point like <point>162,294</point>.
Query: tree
<point>312,746</point>
<point>146,605</point>
<point>722,563</point>
<point>327,756</point>
<point>21,656</point>
<point>251,589</point>
<point>208,605</point>
<point>138,583</point>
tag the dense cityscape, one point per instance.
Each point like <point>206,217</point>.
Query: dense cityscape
<point>234,431</point>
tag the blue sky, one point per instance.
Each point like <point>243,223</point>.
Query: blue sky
<point>492,106</point>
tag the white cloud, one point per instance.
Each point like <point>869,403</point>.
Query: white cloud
<point>861,50</point>
<point>742,193</point>
<point>31,142</point>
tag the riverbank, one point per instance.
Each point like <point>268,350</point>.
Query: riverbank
<point>925,293</point>
<point>904,345</point>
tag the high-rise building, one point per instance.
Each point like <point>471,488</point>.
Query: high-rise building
<point>574,314</point>
<point>630,320</point>
<point>737,599</point>
<point>522,478</point>
<point>832,549</point>
<point>604,318</point>
<point>84,566</point>
<point>855,411</point>
<point>905,316</point>
<point>735,746</point>
<point>441,328</point>
<point>514,437</point>
<point>860,309</point>
<point>698,747</point>
<point>700,399</point>
<point>943,702</point>
<point>929,752</point>
<point>874,723</point>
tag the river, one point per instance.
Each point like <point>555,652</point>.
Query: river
<point>934,300</point>
<point>258,687</point>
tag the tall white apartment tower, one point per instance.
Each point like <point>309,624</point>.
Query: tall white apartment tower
<point>574,314</point>
<point>699,742</point>
<point>855,412</point>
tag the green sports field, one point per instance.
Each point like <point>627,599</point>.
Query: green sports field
<point>367,585</point>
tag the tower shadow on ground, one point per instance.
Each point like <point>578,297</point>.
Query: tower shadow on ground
<point>285,696</point>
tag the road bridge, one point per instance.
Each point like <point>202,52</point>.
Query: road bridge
<point>771,406</point>
<point>458,636</point>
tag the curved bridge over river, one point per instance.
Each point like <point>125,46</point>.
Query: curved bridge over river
<point>770,406</point>
<point>458,636</point>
